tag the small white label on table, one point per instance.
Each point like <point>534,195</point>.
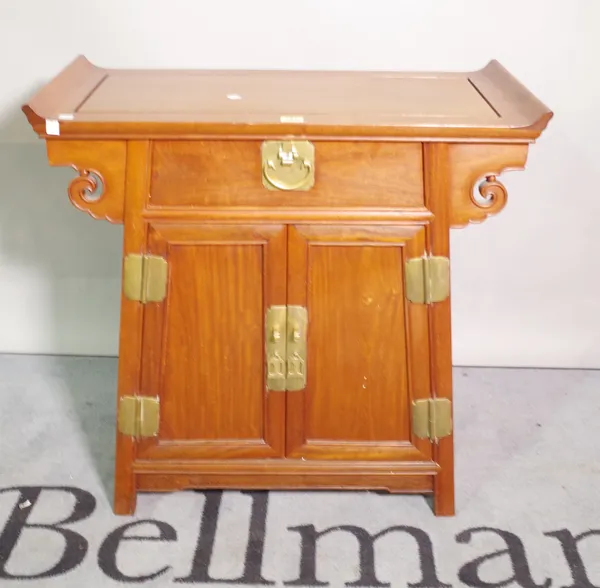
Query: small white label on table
<point>52,127</point>
<point>288,118</point>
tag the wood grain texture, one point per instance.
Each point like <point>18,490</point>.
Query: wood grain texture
<point>510,98</point>
<point>213,374</point>
<point>204,345</point>
<point>438,165</point>
<point>64,93</point>
<point>405,484</point>
<point>399,156</point>
<point>287,467</point>
<point>357,400</point>
<point>313,215</point>
<point>106,159</point>
<point>286,474</point>
<point>130,332</point>
<point>356,297</point>
<point>467,167</point>
<point>129,103</point>
<point>370,98</point>
<point>201,173</point>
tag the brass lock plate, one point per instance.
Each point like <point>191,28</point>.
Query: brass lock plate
<point>288,165</point>
<point>275,343</point>
<point>285,336</point>
<point>297,322</point>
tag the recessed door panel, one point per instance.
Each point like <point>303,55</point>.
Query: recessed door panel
<point>367,348</point>
<point>204,344</point>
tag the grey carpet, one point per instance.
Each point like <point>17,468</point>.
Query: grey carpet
<point>528,497</point>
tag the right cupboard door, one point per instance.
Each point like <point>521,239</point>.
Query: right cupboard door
<point>367,346</point>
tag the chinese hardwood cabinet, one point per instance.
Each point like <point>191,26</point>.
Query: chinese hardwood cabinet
<point>285,311</point>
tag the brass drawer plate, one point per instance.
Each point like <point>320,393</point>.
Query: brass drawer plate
<point>288,165</point>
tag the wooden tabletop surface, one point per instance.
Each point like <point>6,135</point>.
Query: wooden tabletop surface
<point>85,100</point>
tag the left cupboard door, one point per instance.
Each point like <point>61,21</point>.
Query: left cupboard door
<point>203,351</point>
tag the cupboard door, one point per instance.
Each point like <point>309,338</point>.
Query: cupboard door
<point>367,346</point>
<point>203,346</point>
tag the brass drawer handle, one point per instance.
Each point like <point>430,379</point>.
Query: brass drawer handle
<point>288,165</point>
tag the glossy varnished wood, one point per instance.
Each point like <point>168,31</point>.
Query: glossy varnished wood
<point>405,484</point>
<point>200,173</point>
<point>466,169</point>
<point>130,332</point>
<point>204,345</point>
<point>99,187</point>
<point>393,476</point>
<point>400,159</point>
<point>438,167</point>
<point>95,102</point>
<point>307,215</point>
<point>360,362</point>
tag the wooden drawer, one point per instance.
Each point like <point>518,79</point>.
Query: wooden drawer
<point>228,173</point>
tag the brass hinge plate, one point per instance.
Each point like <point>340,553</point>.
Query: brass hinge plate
<point>138,416</point>
<point>145,278</point>
<point>285,347</point>
<point>427,279</point>
<point>432,418</point>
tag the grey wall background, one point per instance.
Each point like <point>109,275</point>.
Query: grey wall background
<point>525,283</point>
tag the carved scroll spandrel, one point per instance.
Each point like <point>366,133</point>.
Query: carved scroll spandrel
<point>475,192</point>
<point>492,194</point>
<point>99,187</point>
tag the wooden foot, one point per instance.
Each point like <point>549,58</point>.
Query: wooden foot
<point>443,483</point>
<point>443,505</point>
<point>125,503</point>
<point>124,500</point>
